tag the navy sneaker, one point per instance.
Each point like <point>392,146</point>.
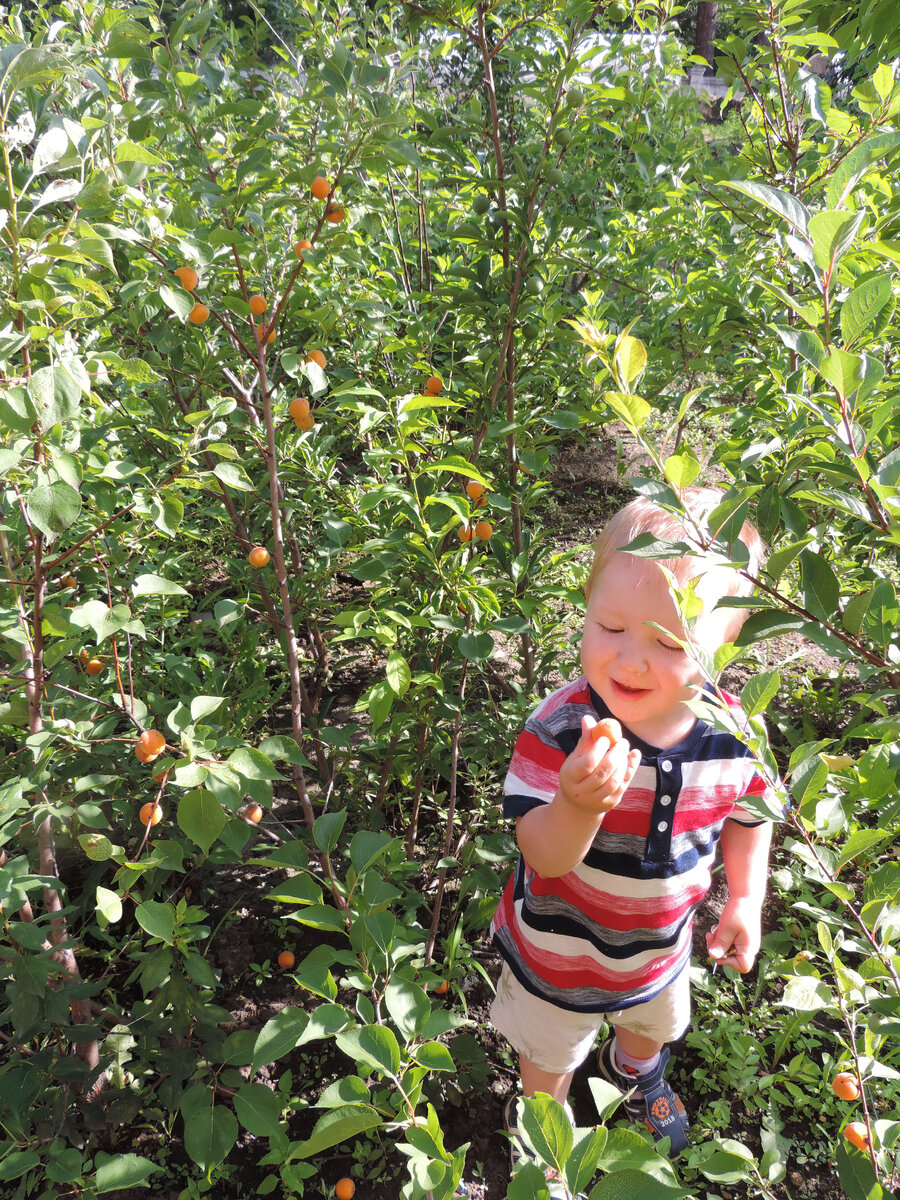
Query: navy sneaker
<point>657,1107</point>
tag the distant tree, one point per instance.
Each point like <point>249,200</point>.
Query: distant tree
<point>707,18</point>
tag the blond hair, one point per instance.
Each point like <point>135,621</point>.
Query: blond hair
<point>646,516</point>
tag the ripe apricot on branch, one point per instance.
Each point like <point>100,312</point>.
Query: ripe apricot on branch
<point>845,1086</point>
<point>258,305</point>
<point>335,214</point>
<point>260,330</point>
<point>298,408</point>
<point>198,314</point>
<point>305,422</point>
<point>475,490</point>
<point>303,244</point>
<point>608,728</point>
<point>252,812</point>
<point>151,814</point>
<point>441,988</point>
<point>434,385</point>
<point>188,277</point>
<point>68,581</point>
<point>286,959</point>
<point>152,743</point>
<point>320,188</point>
<point>345,1189</point>
<point>258,556</point>
<point>484,530</point>
<point>94,666</point>
<point>318,357</point>
<point>465,533</point>
<point>857,1135</point>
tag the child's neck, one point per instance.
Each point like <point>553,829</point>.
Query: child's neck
<point>665,735</point>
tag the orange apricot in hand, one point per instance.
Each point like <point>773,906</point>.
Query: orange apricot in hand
<point>857,1135</point>
<point>151,814</point>
<point>484,530</point>
<point>188,277</point>
<point>258,556</point>
<point>845,1086</point>
<point>258,305</point>
<point>198,314</point>
<point>286,959</point>
<point>609,728</point>
<point>94,666</point>
<point>317,357</point>
<point>433,385</point>
<point>345,1189</point>
<point>320,188</point>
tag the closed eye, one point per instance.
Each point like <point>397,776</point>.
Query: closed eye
<point>666,646</point>
<point>607,629</point>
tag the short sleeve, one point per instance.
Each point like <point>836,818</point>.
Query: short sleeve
<point>533,775</point>
<point>758,786</point>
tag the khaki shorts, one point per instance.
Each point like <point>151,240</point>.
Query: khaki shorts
<point>558,1041</point>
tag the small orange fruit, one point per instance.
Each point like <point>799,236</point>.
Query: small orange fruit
<point>94,666</point>
<point>857,1135</point>
<point>151,814</point>
<point>68,581</point>
<point>188,277</point>
<point>465,533</point>
<point>441,988</point>
<point>320,188</point>
<point>305,422</point>
<point>258,556</point>
<point>299,408</point>
<point>317,356</point>
<point>152,742</point>
<point>260,330</point>
<point>475,490</point>
<point>608,728</point>
<point>198,314</point>
<point>258,305</point>
<point>345,1189</point>
<point>252,812</point>
<point>286,959</point>
<point>483,530</point>
<point>335,214</point>
<point>303,244</point>
<point>845,1086</point>
<point>143,755</point>
<point>433,385</point>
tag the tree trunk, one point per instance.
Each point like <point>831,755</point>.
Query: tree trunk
<point>707,16</point>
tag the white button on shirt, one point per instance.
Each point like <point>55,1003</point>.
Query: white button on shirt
<point>666,765</point>
<point>665,799</point>
<point>662,826</point>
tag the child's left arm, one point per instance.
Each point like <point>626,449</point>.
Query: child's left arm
<point>745,851</point>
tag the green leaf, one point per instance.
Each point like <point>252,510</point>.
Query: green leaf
<point>205,706</point>
<point>337,1126</point>
<point>157,919</point>
<point>476,646</point>
<point>53,507</point>
<point>278,1037</point>
<point>98,251</point>
<point>682,469</point>
<point>132,152</point>
<point>758,691</point>
<point>327,830</point>
<point>843,370</point>
<point>762,625</point>
<point>156,585</point>
<point>459,466</point>
<point>857,1178</point>
<point>234,476</point>
<point>408,1006</point>
<point>434,1056</point>
<point>209,1135</point>
<point>259,1109</point>
<point>119,1171</point>
<point>783,204</point>
<point>630,1184</point>
<point>373,1047</point>
<point>109,904</point>
<point>806,993</point>
<point>201,817</point>
<point>832,235</point>
<point>543,1124</point>
<point>299,889</point>
<point>863,305</point>
<point>630,359</point>
<point>51,147</point>
<point>821,588</point>
<point>631,409</point>
<point>251,764</point>
<point>859,843</point>
<point>398,673</point>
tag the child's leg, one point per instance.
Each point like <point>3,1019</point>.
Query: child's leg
<point>635,1054</point>
<point>536,1080</point>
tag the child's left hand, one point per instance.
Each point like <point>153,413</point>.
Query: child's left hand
<point>735,940</point>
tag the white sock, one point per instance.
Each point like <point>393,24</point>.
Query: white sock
<point>633,1067</point>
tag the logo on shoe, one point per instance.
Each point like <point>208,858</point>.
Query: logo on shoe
<point>661,1108</point>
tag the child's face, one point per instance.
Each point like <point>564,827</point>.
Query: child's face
<point>644,676</point>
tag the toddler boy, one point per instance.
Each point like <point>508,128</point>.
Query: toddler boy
<point>617,838</point>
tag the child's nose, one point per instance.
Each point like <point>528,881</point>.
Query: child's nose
<point>632,656</point>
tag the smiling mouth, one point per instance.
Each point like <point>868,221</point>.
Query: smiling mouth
<point>632,692</point>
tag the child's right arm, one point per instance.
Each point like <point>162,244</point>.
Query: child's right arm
<point>555,837</point>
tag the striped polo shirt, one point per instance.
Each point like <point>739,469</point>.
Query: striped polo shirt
<point>616,930</point>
